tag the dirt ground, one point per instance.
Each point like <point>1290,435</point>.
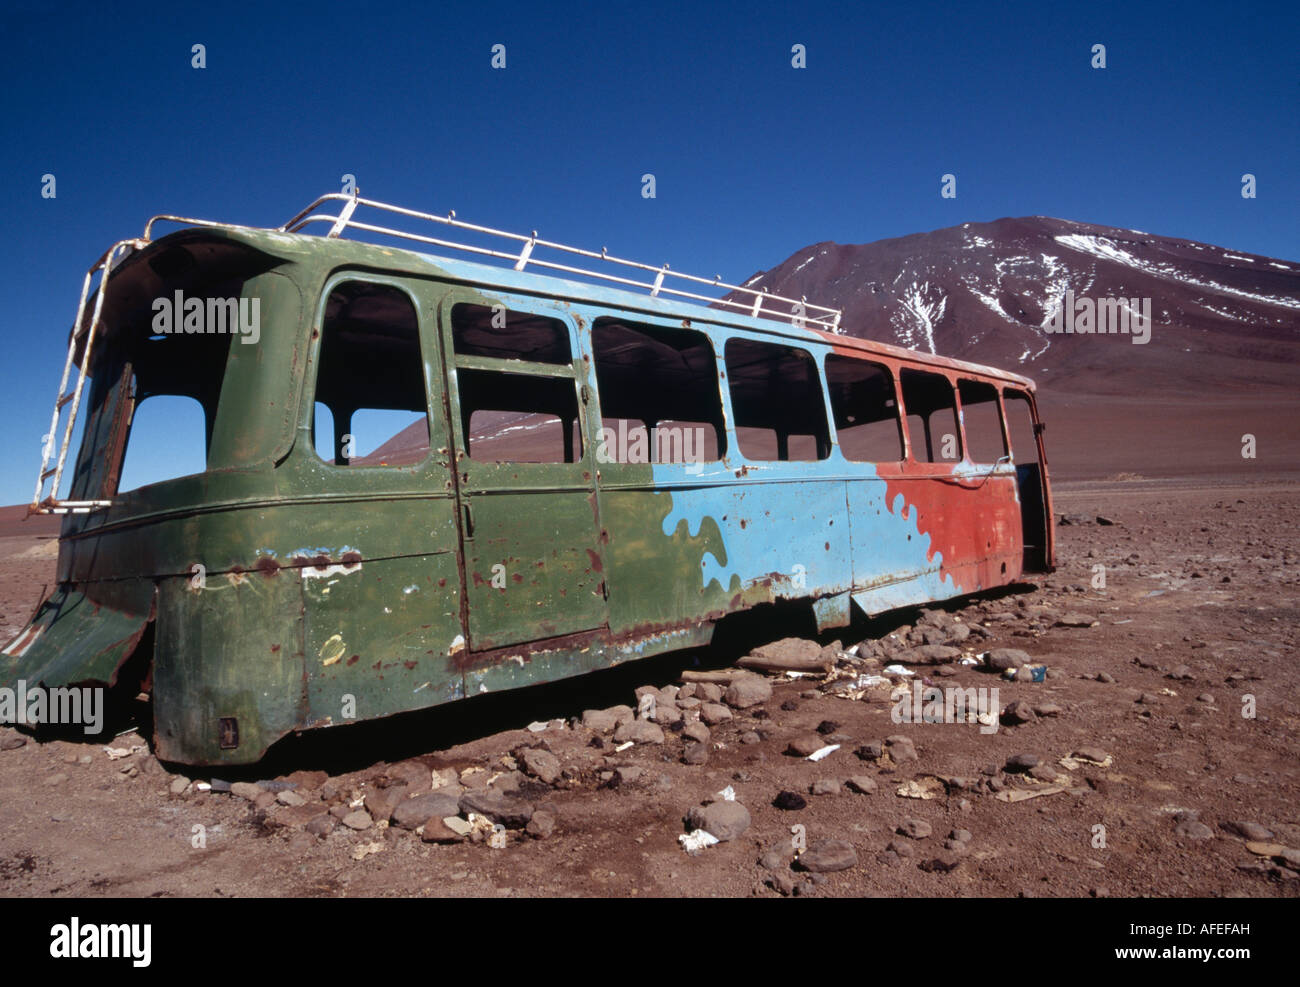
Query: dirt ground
<point>1194,718</point>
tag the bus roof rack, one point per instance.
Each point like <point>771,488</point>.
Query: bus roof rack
<point>757,303</point>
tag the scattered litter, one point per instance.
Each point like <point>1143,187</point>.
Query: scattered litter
<point>970,660</point>
<point>921,788</point>
<point>897,670</point>
<point>796,675</point>
<point>537,726</point>
<point>696,840</point>
<point>117,752</point>
<point>1168,692</point>
<point>624,746</point>
<point>366,849</point>
<point>728,794</point>
<point>1128,621</point>
<point>1021,794</point>
<point>202,786</point>
<point>853,650</point>
<point>1072,762</point>
<point>817,755</point>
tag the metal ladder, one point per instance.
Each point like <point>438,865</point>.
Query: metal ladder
<point>52,476</point>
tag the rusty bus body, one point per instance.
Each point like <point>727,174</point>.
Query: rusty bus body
<point>820,475</point>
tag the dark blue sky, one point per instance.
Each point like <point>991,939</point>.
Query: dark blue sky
<point>752,158</point>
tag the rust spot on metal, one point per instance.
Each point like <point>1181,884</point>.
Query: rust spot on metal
<point>353,660</point>
<point>595,561</point>
<point>267,566</point>
<point>410,665</point>
<point>517,578</point>
<point>351,558</point>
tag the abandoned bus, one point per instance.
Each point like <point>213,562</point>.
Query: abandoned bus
<point>582,474</point>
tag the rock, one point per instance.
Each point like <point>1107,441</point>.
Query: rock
<point>382,802</point>
<point>870,752</point>
<point>750,737</point>
<point>290,798</point>
<point>1193,830</point>
<point>790,801</point>
<point>901,748</point>
<point>1076,620</point>
<point>411,813</point>
<point>931,654</point>
<point>828,856</point>
<point>696,731</point>
<point>627,774</point>
<point>747,691</point>
<point>179,785</point>
<point>1048,709</point>
<point>781,883</point>
<point>306,781</point>
<point>863,784</point>
<point>723,819</point>
<point>56,779</point>
<point>541,825</point>
<point>667,714</point>
<point>789,654</point>
<point>639,732</point>
<point>599,720</point>
<point>321,825</point>
<point>541,764</point>
<point>917,829</point>
<point>1181,672</point>
<point>358,820</point>
<point>1043,772</point>
<point>437,831</point>
<point>958,633</point>
<point>713,713</point>
<point>1002,659</point>
<point>1022,762</point>
<point>1018,712</point>
<point>1206,697</point>
<point>11,740</point>
<point>805,744</point>
<point>772,860</point>
<point>826,786</point>
<point>508,809</point>
<point>246,790</point>
<point>1247,830</point>
<point>1095,754</point>
<point>709,692</point>
<point>941,864</point>
<point>960,836</point>
<point>695,753</point>
<point>900,848</point>
<point>1106,677</point>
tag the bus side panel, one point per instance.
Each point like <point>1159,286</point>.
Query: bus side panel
<point>228,667</point>
<point>697,550</point>
<point>918,539</point>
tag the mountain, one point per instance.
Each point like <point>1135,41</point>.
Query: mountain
<point>988,292</point>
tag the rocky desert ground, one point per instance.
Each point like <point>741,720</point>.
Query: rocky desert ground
<point>1156,755</point>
